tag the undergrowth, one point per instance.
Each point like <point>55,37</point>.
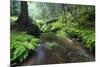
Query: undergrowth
<point>21,44</point>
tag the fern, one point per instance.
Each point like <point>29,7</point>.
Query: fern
<point>87,37</point>
<point>21,44</point>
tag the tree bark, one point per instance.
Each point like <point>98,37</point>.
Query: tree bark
<point>64,12</point>
<point>23,20</point>
<point>24,24</point>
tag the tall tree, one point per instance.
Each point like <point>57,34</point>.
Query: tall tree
<point>23,23</point>
<point>64,12</point>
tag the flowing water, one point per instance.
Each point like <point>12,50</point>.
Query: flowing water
<point>64,50</point>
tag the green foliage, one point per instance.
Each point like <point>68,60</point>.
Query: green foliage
<point>57,26</point>
<point>87,37</point>
<point>61,33</point>
<point>85,15</point>
<point>13,18</point>
<point>40,24</point>
<point>54,27</point>
<point>21,44</point>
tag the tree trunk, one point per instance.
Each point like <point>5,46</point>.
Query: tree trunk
<point>23,23</point>
<point>23,20</point>
<point>64,12</point>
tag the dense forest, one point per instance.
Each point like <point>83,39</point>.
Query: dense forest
<point>51,33</point>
